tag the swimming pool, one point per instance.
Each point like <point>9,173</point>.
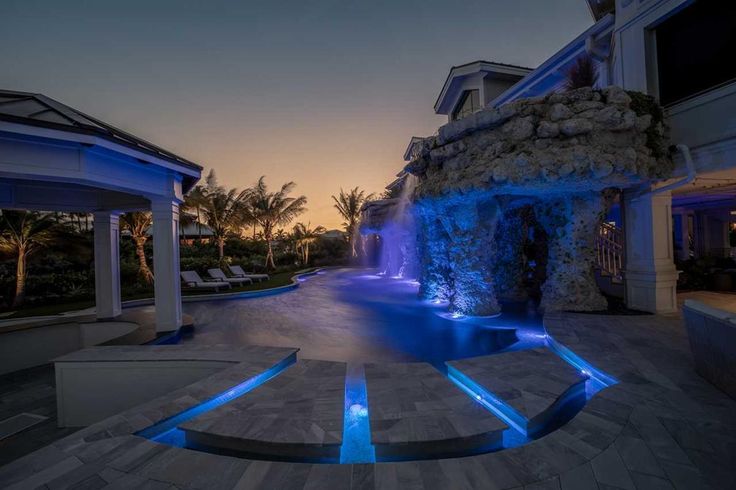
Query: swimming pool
<point>356,315</point>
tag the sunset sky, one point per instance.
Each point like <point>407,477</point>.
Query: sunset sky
<point>325,93</point>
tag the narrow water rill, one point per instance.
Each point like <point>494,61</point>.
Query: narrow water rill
<point>356,439</point>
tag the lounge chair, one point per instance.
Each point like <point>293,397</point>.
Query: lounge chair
<point>218,275</point>
<point>192,279</point>
<point>238,271</point>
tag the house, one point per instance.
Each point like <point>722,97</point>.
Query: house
<point>646,46</point>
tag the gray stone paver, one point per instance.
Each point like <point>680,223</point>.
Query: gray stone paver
<point>579,478</point>
<point>302,407</point>
<point>415,408</point>
<point>662,426</point>
<point>530,381</point>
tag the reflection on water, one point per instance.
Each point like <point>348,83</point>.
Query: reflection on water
<point>358,315</point>
<point>426,330</point>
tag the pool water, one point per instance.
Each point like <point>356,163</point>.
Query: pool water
<point>356,315</point>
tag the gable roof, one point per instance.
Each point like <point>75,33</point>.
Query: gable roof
<point>461,71</point>
<point>39,110</point>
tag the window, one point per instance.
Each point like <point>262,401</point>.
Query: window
<point>469,103</point>
<point>696,49</point>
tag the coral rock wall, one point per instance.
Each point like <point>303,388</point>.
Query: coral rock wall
<point>558,156</point>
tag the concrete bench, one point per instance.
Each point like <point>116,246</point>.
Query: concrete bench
<point>712,334</point>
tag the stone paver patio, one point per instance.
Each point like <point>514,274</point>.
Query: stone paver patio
<point>661,426</point>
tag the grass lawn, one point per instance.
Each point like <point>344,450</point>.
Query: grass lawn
<point>276,280</point>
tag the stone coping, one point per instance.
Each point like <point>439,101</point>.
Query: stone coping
<point>258,293</point>
<point>177,352</point>
<point>73,317</point>
<point>661,426</point>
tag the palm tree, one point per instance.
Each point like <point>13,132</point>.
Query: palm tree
<point>304,236</point>
<point>192,206</point>
<point>349,205</point>
<point>137,223</point>
<point>272,209</point>
<point>224,211</point>
<point>584,73</point>
<point>23,233</point>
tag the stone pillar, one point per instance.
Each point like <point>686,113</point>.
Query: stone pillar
<point>650,275</point>
<point>107,264</point>
<point>472,251</point>
<point>571,223</point>
<point>433,263</point>
<point>509,261</point>
<point>166,264</point>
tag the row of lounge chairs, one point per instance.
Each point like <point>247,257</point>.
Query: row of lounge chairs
<point>218,279</point>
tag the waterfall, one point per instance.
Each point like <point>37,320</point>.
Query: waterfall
<point>398,235</point>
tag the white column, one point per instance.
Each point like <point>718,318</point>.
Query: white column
<point>107,264</point>
<point>651,277</point>
<point>167,284</point>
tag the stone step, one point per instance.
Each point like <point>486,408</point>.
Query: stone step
<point>297,415</point>
<point>535,384</point>
<point>417,412</point>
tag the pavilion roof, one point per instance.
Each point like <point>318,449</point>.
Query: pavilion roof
<point>39,110</point>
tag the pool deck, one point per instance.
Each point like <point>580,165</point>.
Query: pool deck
<point>661,426</point>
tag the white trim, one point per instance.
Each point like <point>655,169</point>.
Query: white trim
<point>70,136</point>
<point>480,68</point>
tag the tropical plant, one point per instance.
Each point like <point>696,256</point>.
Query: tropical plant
<point>349,204</point>
<point>23,234</point>
<point>192,207</point>
<point>272,209</point>
<point>137,223</point>
<point>305,236</point>
<point>583,73</point>
<point>223,211</point>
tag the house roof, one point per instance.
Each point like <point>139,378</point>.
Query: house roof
<point>414,140</point>
<point>550,74</point>
<point>39,110</point>
<point>461,71</point>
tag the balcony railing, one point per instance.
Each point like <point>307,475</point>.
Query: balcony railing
<point>609,250</point>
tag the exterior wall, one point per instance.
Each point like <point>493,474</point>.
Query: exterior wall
<point>493,87</point>
<point>705,123</point>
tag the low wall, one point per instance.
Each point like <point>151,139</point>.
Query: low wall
<point>34,344</point>
<point>90,391</point>
<point>712,335</point>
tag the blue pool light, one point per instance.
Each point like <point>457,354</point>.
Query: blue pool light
<point>356,435</point>
<point>167,431</point>
<point>489,401</point>
<point>580,364</point>
<point>597,379</point>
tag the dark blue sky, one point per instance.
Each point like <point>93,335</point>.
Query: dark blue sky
<point>326,93</point>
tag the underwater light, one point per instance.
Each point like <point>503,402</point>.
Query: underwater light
<point>584,367</point>
<point>356,437</point>
<point>457,315</point>
<point>358,410</point>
